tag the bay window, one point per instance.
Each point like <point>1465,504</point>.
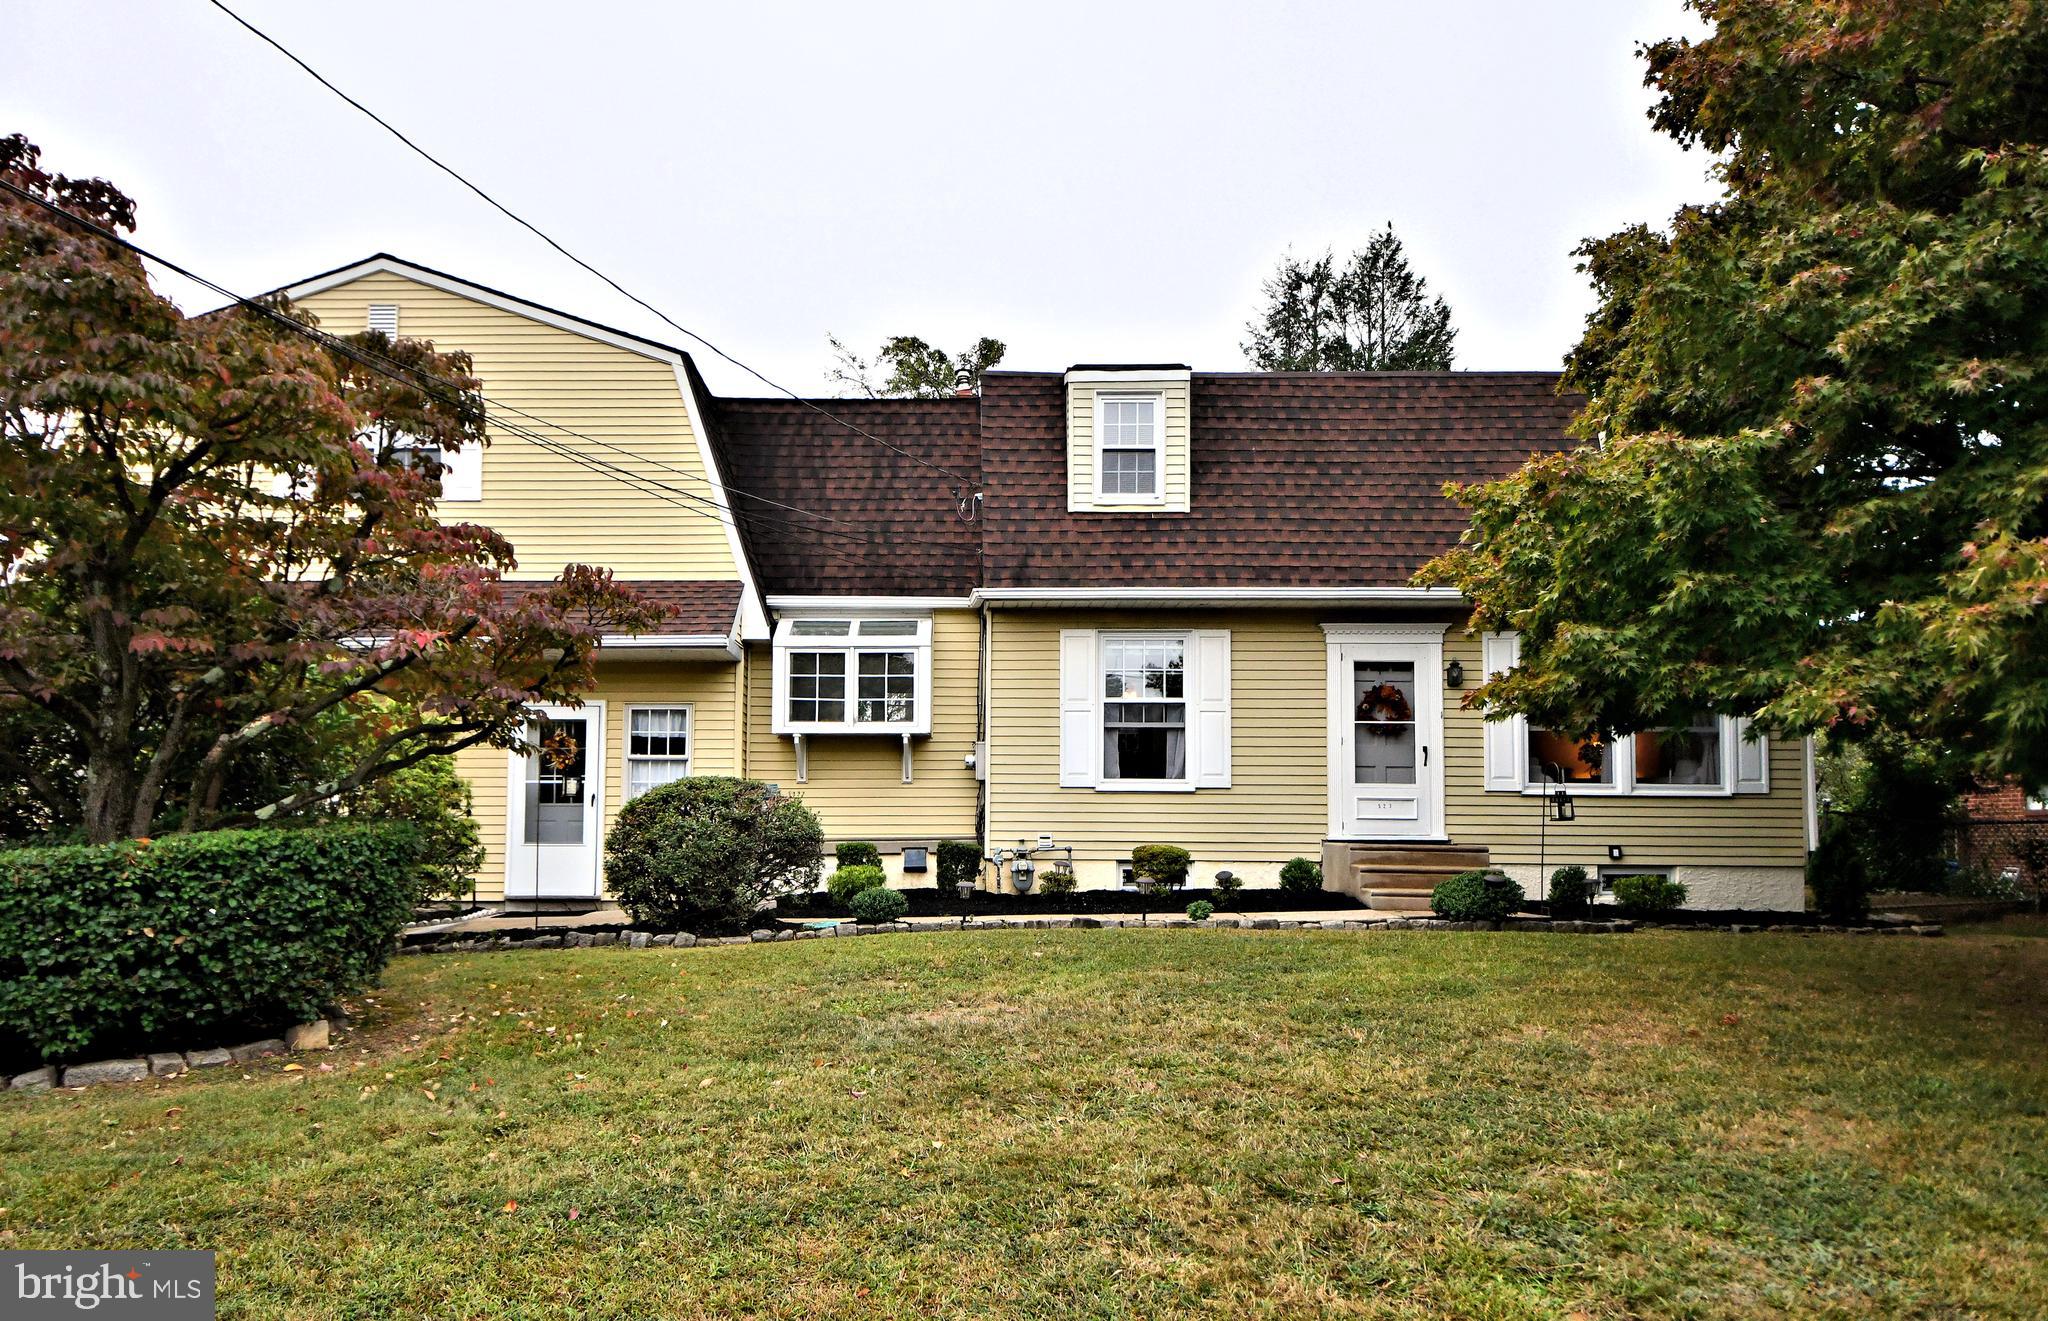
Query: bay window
<point>848,675</point>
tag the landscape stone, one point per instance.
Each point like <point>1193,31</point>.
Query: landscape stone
<point>638,939</point>
<point>35,1080</point>
<point>167,1065</point>
<point>663,941</point>
<point>307,1036</point>
<point>604,938</point>
<point>207,1059</point>
<point>86,1075</point>
<point>760,936</point>
<point>256,1050</point>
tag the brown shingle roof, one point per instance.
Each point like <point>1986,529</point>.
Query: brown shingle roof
<point>897,532</point>
<point>1300,479</point>
<point>694,607</point>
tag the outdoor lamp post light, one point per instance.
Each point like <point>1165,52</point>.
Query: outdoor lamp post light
<point>1561,806</point>
<point>966,889</point>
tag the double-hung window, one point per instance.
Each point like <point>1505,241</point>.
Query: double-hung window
<point>846,675</point>
<point>460,472</point>
<point>1144,708</point>
<point>1129,446</point>
<point>657,746</point>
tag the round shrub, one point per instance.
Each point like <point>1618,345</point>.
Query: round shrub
<point>1571,892</point>
<point>1476,896</point>
<point>850,881</point>
<point>1057,881</point>
<point>1301,877</point>
<point>1647,896</point>
<point>878,904</point>
<point>702,854</point>
<point>188,940</point>
<point>1164,864</point>
<point>1201,910</point>
<point>853,853</point>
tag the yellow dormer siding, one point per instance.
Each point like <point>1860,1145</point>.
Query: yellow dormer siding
<point>1115,415</point>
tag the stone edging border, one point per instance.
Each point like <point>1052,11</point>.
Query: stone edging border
<point>169,1063</point>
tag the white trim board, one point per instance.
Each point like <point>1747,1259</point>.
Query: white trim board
<point>997,596</point>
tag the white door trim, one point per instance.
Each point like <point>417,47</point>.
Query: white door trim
<point>1421,644</point>
<point>522,880</point>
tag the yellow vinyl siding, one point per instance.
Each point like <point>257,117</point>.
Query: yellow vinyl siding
<point>1277,805</point>
<point>855,782</point>
<point>1175,417</point>
<point>1278,802</point>
<point>554,511</point>
<point>710,689</point>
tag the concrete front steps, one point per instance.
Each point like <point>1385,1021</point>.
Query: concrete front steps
<point>1397,877</point>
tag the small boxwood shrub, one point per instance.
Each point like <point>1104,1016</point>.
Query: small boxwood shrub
<point>1201,910</point>
<point>1057,881</point>
<point>850,881</point>
<point>1301,876</point>
<point>959,860</point>
<point>853,853</point>
<point>878,904</point>
<point>1476,896</point>
<point>1647,896</point>
<point>1571,892</point>
<point>1164,864</point>
<point>172,943</point>
<point>702,854</point>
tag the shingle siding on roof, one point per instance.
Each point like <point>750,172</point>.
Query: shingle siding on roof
<point>1299,479</point>
<point>898,532</point>
<point>693,608</point>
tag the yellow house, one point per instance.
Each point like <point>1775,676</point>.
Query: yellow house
<point>1073,613</point>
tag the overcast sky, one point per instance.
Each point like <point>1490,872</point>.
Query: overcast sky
<point>1089,182</point>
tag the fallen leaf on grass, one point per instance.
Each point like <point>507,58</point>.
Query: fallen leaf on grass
<point>705,1083</point>
<point>510,1207</point>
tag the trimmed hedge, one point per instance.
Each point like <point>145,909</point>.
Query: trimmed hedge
<point>1301,876</point>
<point>1571,892</point>
<point>856,853</point>
<point>1648,895</point>
<point>959,860</point>
<point>1468,897</point>
<point>175,941</point>
<point>1165,864</point>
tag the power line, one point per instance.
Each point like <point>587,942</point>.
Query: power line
<point>437,387</point>
<point>543,236</point>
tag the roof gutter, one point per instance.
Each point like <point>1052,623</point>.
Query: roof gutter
<point>1203,596</point>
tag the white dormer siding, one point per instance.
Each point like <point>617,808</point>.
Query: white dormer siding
<point>1128,440</point>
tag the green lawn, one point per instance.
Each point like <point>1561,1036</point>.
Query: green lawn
<point>1111,1124</point>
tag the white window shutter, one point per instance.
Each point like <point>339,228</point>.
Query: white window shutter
<point>1210,702</point>
<point>1752,761</point>
<point>1080,723</point>
<point>462,472</point>
<point>1506,740</point>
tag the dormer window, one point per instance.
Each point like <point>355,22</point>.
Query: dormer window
<point>853,676</point>
<point>460,472</point>
<point>1129,443</point>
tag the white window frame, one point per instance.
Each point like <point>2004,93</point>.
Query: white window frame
<point>1510,737</point>
<point>2034,800</point>
<point>1157,398</point>
<point>628,758</point>
<point>462,471</point>
<point>1205,702</point>
<point>1184,639</point>
<point>853,645</point>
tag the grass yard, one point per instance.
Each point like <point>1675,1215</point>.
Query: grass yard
<point>1111,1124</point>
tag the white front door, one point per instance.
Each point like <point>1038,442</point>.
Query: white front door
<point>554,805</point>
<point>1386,738</point>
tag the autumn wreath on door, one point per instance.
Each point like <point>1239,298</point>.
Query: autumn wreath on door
<point>1384,704</point>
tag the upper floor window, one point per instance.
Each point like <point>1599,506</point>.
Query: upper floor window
<point>1129,448</point>
<point>460,472</point>
<point>853,676</point>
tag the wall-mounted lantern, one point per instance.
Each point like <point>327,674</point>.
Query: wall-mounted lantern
<point>1454,675</point>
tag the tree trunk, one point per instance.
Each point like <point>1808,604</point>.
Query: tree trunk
<point>109,793</point>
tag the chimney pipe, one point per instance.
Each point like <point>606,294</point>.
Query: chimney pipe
<point>963,384</point>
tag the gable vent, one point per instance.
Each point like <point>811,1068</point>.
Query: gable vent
<point>384,317</point>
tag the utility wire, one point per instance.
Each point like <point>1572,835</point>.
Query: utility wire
<point>961,493</point>
<point>439,388</point>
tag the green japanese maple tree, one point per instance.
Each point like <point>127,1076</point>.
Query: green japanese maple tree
<point>1815,483</point>
<point>218,546</point>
